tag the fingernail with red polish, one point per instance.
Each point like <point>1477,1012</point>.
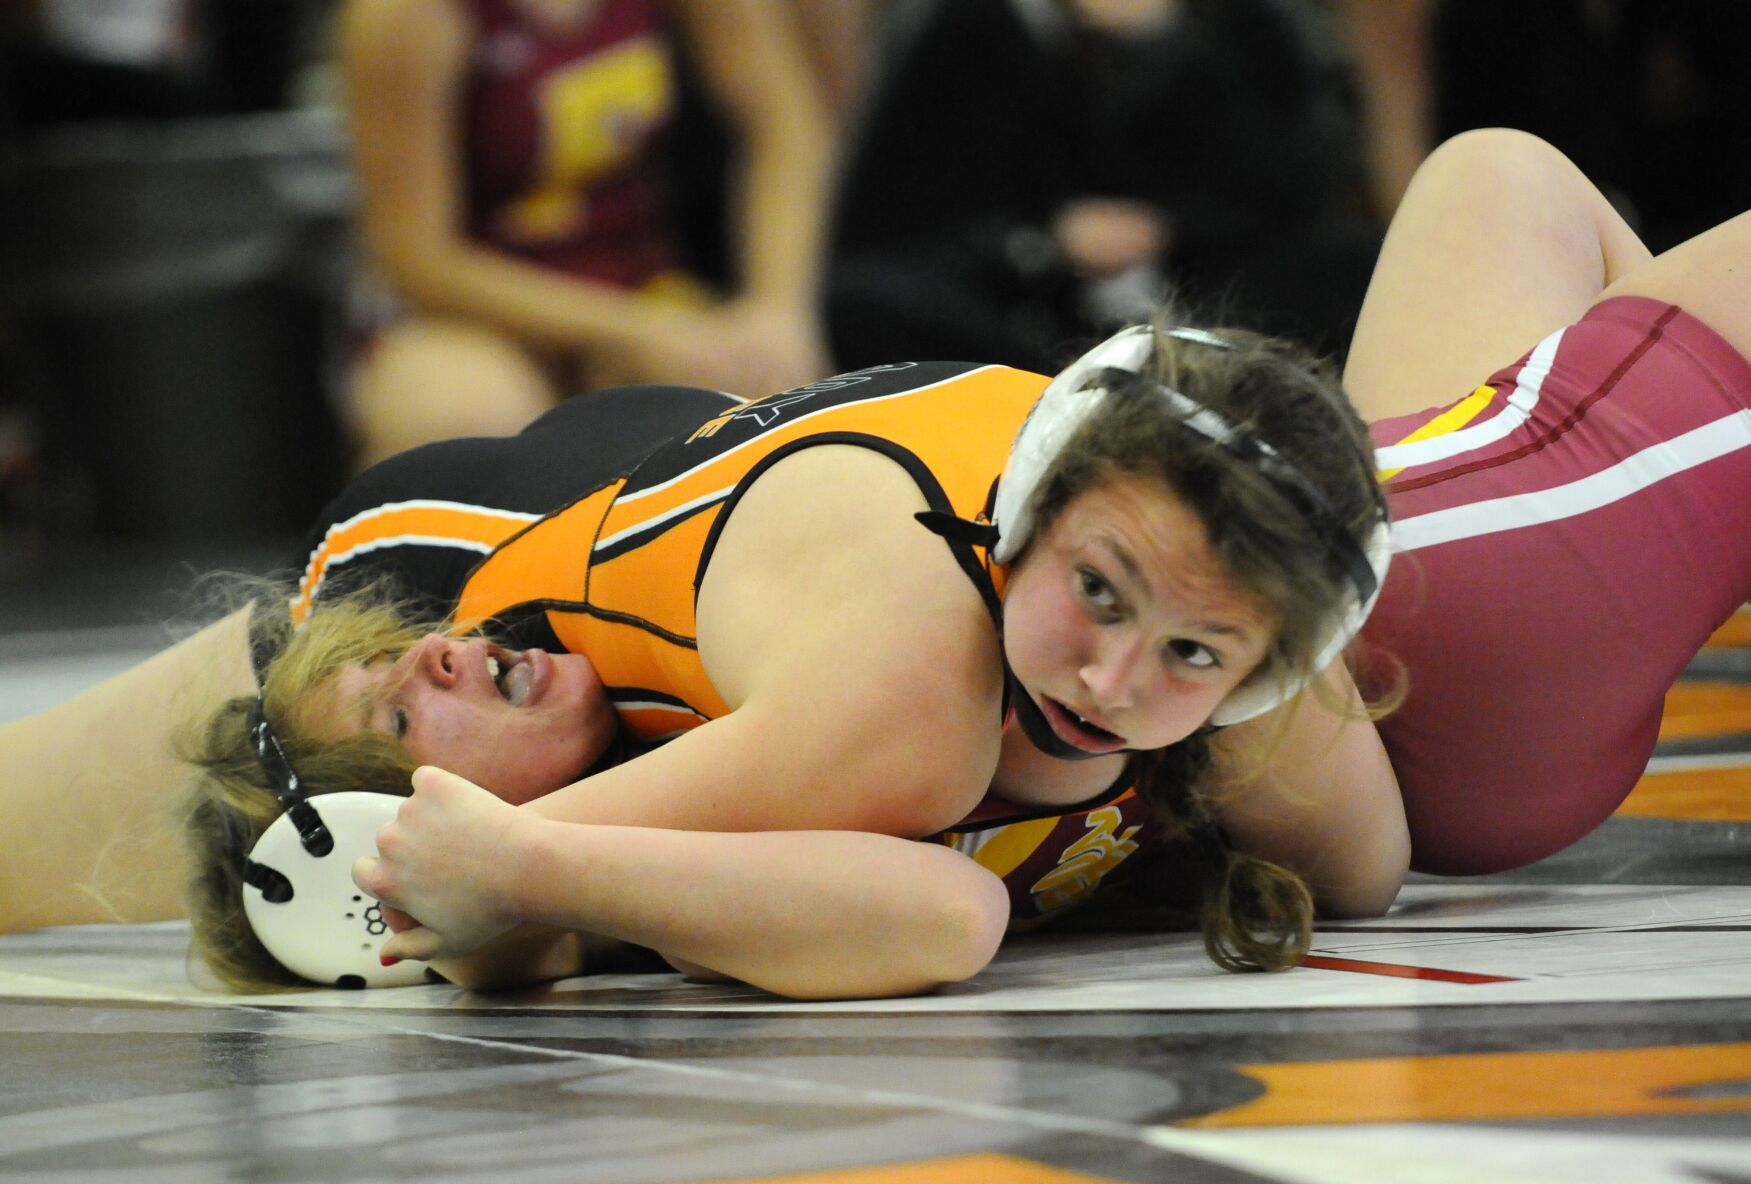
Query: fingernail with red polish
<point>387,960</point>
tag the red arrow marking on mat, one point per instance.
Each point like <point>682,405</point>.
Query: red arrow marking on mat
<point>1397,970</point>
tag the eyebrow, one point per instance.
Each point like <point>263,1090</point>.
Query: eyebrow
<point>1122,555</point>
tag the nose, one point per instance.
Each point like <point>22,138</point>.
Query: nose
<point>1112,671</point>
<point>434,660</point>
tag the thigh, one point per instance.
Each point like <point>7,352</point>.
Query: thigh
<point>90,825</point>
<point>1499,241</point>
<point>1566,545</point>
<point>426,380</point>
<point>1708,276</point>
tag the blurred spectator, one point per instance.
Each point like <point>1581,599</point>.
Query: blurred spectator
<point>172,235</point>
<point>73,61</point>
<point>836,37</point>
<point>1027,171</point>
<point>1651,99</point>
<point>517,203</point>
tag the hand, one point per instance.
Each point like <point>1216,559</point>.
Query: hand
<point>447,862</point>
<point>1102,236</point>
<point>748,347</point>
<point>782,344</point>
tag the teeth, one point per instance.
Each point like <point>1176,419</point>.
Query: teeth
<point>492,667</point>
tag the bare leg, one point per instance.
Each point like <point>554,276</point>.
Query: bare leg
<point>1708,276</point>
<point>431,380</point>
<point>1499,241</point>
<point>88,825</point>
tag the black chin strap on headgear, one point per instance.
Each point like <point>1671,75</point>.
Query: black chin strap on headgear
<point>1027,713</point>
<point>1035,726</point>
<point>312,835</point>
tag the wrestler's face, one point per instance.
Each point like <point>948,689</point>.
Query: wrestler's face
<point>520,723</point>
<point>1121,614</point>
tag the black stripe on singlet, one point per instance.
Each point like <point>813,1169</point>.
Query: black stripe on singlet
<point>934,496</point>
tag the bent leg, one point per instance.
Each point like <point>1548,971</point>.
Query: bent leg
<point>1708,276</point>
<point>89,829</point>
<point>1499,241</point>
<point>430,380</point>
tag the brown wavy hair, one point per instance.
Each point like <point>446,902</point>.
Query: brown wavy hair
<point>1255,914</point>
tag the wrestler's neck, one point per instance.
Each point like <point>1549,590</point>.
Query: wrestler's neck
<point>1029,777</point>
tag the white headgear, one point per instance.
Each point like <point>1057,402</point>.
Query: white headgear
<point>1068,402</point>
<point>298,890</point>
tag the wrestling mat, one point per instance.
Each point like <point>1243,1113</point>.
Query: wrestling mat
<point>1587,1019</point>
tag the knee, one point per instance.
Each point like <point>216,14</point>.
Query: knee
<point>1495,156</point>
<point>429,380</point>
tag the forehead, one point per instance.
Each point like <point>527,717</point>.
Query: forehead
<point>1160,544</point>
<point>341,705</point>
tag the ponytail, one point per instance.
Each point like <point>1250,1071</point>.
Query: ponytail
<point>1255,914</point>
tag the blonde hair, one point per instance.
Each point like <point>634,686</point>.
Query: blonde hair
<point>1256,915</point>
<point>231,800</point>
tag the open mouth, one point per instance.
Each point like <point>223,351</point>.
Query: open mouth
<point>519,677</point>
<point>1077,730</point>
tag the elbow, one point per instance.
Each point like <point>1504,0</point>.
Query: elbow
<point>945,940</point>
<point>1371,895</point>
<point>965,930</point>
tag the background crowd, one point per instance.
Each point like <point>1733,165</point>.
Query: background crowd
<point>254,244</point>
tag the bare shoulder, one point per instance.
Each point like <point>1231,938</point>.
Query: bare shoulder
<point>826,594</point>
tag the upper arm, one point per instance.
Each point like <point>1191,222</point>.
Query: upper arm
<point>1324,802</point>
<point>830,617</point>
<point>751,57</point>
<point>861,671</point>
<point>403,62</point>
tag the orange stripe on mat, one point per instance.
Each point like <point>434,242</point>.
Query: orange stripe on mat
<point>1616,1083</point>
<point>1697,795</point>
<point>1706,709</point>
<point>962,1169</point>
<point>1736,632</point>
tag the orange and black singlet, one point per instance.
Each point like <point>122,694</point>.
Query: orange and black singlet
<point>637,483</point>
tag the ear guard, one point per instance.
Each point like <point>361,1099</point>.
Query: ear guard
<point>306,909</point>
<point>298,890</point>
<point>1068,402</point>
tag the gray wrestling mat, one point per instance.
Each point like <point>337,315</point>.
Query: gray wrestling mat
<point>1587,1020</point>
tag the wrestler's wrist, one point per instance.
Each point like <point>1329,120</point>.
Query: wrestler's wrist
<point>530,858</point>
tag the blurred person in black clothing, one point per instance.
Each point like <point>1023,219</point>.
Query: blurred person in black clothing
<point>1026,172</point>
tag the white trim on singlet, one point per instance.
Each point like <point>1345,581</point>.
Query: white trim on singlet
<point>718,495</point>
<point>656,523</point>
<point>307,592</point>
<point>755,405</point>
<point>1519,407</point>
<point>428,503</point>
<point>1696,447</point>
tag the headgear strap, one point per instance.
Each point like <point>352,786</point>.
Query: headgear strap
<point>313,836</point>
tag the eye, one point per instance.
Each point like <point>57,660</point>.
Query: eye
<point>1095,589</point>
<point>398,723</point>
<point>1193,653</point>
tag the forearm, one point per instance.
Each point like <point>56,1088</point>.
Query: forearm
<point>1324,802</point>
<point>755,770</point>
<point>453,278</point>
<point>531,954</point>
<point>784,206</point>
<point>808,915</point>
<point>755,64</point>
